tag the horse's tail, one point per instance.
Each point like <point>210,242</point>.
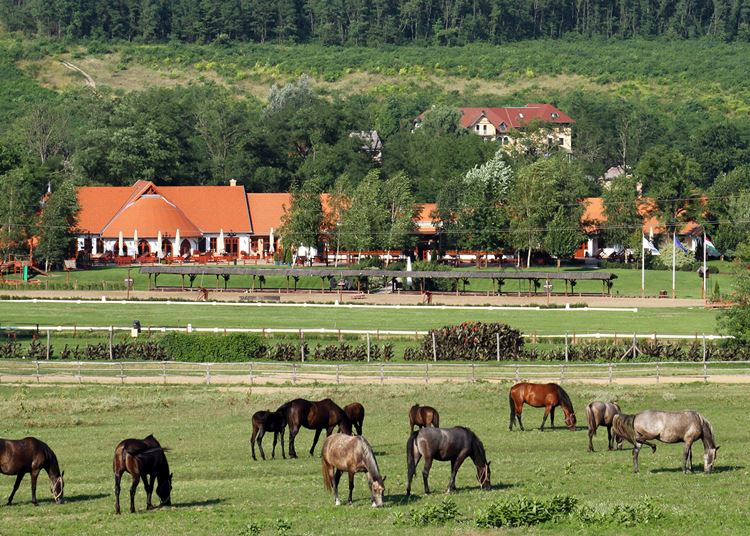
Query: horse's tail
<point>590,419</point>
<point>327,479</point>
<point>624,426</point>
<point>411,455</point>
<point>708,431</point>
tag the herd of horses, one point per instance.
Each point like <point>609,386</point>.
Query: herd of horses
<point>145,460</point>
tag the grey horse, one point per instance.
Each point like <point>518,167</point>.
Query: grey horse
<point>669,427</point>
<point>601,414</point>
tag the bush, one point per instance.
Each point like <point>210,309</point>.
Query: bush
<point>434,514</point>
<point>217,348</point>
<point>522,511</point>
<point>473,341</point>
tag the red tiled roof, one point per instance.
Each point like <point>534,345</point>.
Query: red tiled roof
<point>423,219</point>
<point>150,214</point>
<point>98,204</point>
<point>515,117</point>
<point>266,211</point>
<point>594,216</point>
<point>212,208</point>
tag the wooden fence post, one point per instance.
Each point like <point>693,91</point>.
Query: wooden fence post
<point>164,371</point>
<point>251,373</point>
<point>434,347</point>
<point>566,346</point>
<point>338,372</point>
<point>48,344</point>
<point>497,336</point>
<point>427,373</point>
<point>368,347</point>
<point>382,376</point>
<point>111,334</point>
<point>610,374</point>
<point>208,373</point>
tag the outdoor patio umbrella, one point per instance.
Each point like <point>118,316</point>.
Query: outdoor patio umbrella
<point>176,243</point>
<point>271,246</point>
<point>158,244</point>
<point>220,243</point>
<point>135,243</point>
<point>119,244</point>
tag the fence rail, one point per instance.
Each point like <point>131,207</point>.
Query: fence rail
<point>263,373</point>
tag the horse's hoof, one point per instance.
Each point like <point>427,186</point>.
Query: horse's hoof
<point>338,502</point>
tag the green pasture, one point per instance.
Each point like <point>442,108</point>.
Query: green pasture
<point>628,282</point>
<point>219,489</point>
<point>684,320</point>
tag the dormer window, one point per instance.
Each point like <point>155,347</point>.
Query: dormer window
<point>503,127</point>
<point>520,116</point>
<point>555,115</point>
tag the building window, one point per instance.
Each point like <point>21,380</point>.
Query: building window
<point>484,128</point>
<point>213,242</point>
<point>232,245</point>
<point>561,141</point>
<point>476,127</point>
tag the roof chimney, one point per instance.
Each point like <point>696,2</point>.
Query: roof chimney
<point>232,182</point>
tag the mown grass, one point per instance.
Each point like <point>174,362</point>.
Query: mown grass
<point>684,320</point>
<point>218,489</point>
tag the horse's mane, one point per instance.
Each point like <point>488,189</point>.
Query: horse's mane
<point>566,402</point>
<point>708,432</point>
<point>624,426</point>
<point>477,447</point>
<point>51,458</point>
<point>369,457</point>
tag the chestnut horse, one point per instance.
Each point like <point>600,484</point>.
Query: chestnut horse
<point>268,421</point>
<point>353,455</point>
<point>602,414</point>
<point>356,414</point>
<point>423,416</point>
<point>29,455</point>
<point>142,458</point>
<point>318,416</point>
<point>541,395</point>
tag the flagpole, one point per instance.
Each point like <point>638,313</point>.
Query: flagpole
<point>705,268</point>
<point>674,261</point>
<point>643,265</point>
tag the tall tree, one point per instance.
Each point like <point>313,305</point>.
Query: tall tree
<point>364,225</point>
<point>302,221</point>
<point>623,221</point>
<point>398,199</point>
<point>57,222</point>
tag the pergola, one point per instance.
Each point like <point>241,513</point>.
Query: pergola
<point>258,275</point>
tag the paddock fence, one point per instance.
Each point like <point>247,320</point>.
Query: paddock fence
<point>285,374</point>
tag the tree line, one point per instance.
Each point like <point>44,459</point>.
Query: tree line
<point>375,22</point>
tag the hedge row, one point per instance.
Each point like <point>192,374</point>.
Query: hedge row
<point>470,341</point>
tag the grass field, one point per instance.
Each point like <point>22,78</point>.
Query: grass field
<point>628,282</point>
<point>545,321</point>
<point>218,489</point>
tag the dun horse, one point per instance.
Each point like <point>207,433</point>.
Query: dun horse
<point>601,414</point>
<point>268,421</point>
<point>669,427</point>
<point>356,414</point>
<point>446,444</point>
<point>353,455</point>
<point>142,458</point>
<point>29,455</point>
<point>423,416</point>
<point>318,416</point>
<point>541,395</point>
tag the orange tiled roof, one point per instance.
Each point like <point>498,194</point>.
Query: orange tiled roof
<point>266,211</point>
<point>212,208</point>
<point>594,216</point>
<point>150,214</point>
<point>98,204</point>
<point>423,220</point>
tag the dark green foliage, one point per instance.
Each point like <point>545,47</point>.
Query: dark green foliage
<point>346,352</point>
<point>523,511</point>
<point>434,514</point>
<point>473,341</point>
<point>213,348</point>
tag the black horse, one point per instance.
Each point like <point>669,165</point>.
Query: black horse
<point>318,416</point>
<point>29,455</point>
<point>446,444</point>
<point>268,421</point>
<point>142,458</point>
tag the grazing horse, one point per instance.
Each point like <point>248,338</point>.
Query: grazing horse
<point>142,458</point>
<point>423,416</point>
<point>318,416</point>
<point>354,455</point>
<point>268,421</point>
<point>669,427</point>
<point>29,455</point>
<point>601,414</point>
<point>541,395</point>
<point>356,414</point>
<point>444,444</point>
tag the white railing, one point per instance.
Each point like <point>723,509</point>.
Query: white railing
<point>283,373</point>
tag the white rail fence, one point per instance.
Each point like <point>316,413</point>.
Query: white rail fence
<point>262,373</point>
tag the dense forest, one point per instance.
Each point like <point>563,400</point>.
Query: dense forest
<point>375,22</point>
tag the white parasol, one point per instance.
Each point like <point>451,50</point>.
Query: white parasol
<point>220,243</point>
<point>135,243</point>
<point>158,245</point>
<point>119,245</point>
<point>271,246</point>
<point>408,269</point>
<point>177,244</point>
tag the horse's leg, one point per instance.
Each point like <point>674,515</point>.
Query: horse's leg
<point>315,441</point>
<point>687,458</point>
<point>34,476</point>
<point>252,441</point>
<point>610,439</point>
<point>544,419</point>
<point>273,449</point>
<point>118,477</point>
<point>351,487</point>
<point>19,477</point>
<point>336,479</point>
<point>552,417</point>
<point>260,443</point>
<point>455,465</point>
<point>133,486</point>
<point>519,410</point>
<point>636,449</point>
<point>411,472</point>
<point>283,455</point>
<point>591,442</point>
<point>358,426</point>
<point>426,473</point>
<point>293,431</point>
<point>149,487</point>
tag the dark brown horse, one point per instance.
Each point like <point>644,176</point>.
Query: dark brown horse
<point>423,416</point>
<point>318,416</point>
<point>142,458</point>
<point>29,455</point>
<point>356,414</point>
<point>602,414</point>
<point>541,395</point>
<point>446,444</point>
<point>268,421</point>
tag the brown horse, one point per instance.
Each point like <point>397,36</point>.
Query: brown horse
<point>353,455</point>
<point>423,416</point>
<point>602,414</point>
<point>318,416</point>
<point>356,414</point>
<point>268,421</point>
<point>142,458</point>
<point>541,395</point>
<point>29,455</point>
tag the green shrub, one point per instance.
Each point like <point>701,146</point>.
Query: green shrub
<point>434,514</point>
<point>473,341</point>
<point>217,348</point>
<point>523,511</point>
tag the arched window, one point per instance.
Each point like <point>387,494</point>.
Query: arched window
<point>185,247</point>
<point>166,247</point>
<point>144,248</point>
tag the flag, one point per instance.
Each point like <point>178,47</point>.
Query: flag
<point>649,246</point>
<point>711,249</point>
<point>679,245</point>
